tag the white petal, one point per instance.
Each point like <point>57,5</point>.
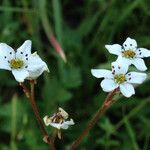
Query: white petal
<point>124,60</point>
<point>130,44</point>
<point>70,122</point>
<point>108,85</point>
<point>4,64</point>
<point>46,120</point>
<point>63,113</point>
<point>56,125</point>
<point>66,124</point>
<point>36,66</point>
<point>119,67</point>
<point>114,49</point>
<point>139,64</point>
<point>127,89</point>
<point>101,73</point>
<point>6,50</point>
<point>142,52</point>
<point>6,54</point>
<point>24,51</point>
<point>20,74</point>
<point>136,77</point>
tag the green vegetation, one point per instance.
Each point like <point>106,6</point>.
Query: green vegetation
<point>82,27</point>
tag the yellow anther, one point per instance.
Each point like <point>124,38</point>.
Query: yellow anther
<point>128,53</point>
<point>16,63</point>
<point>120,78</point>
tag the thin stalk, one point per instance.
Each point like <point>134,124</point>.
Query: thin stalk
<point>106,104</point>
<point>48,30</point>
<point>31,97</point>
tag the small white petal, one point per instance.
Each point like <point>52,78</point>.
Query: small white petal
<point>4,64</point>
<point>139,64</point>
<point>36,66</point>
<point>6,54</point>
<point>6,50</point>
<point>118,67</point>
<point>101,73</point>
<point>136,77</point>
<point>46,121</point>
<point>127,89</point>
<point>70,122</point>
<point>20,74</point>
<point>24,51</point>
<point>114,49</point>
<point>130,44</point>
<point>66,124</point>
<point>63,113</point>
<point>142,52</point>
<point>56,125</point>
<point>124,60</point>
<point>108,85</point>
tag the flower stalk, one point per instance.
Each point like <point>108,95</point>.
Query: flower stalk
<point>30,95</point>
<point>106,104</point>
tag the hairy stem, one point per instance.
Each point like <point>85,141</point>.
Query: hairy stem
<point>106,104</point>
<point>31,97</point>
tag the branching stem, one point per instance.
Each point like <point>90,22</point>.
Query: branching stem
<point>106,104</point>
<point>30,95</point>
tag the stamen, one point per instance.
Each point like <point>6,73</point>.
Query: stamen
<point>16,63</point>
<point>128,53</point>
<point>57,118</point>
<point>119,78</point>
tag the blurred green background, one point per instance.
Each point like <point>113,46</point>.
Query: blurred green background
<point>82,27</point>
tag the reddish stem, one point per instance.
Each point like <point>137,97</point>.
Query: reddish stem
<point>106,104</point>
<point>31,97</point>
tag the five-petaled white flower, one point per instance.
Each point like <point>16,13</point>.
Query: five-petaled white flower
<point>21,62</point>
<point>129,54</point>
<point>58,120</point>
<point>119,77</point>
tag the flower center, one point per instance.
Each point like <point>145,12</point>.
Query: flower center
<point>119,78</point>
<point>57,118</point>
<point>16,63</point>
<point>128,53</point>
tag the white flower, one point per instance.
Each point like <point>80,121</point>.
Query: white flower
<point>59,126</point>
<point>129,53</point>
<point>21,62</point>
<point>119,77</point>
<point>58,120</point>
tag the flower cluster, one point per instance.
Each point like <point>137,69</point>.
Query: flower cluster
<point>128,54</point>
<point>21,62</point>
<point>58,121</point>
<point>25,65</point>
